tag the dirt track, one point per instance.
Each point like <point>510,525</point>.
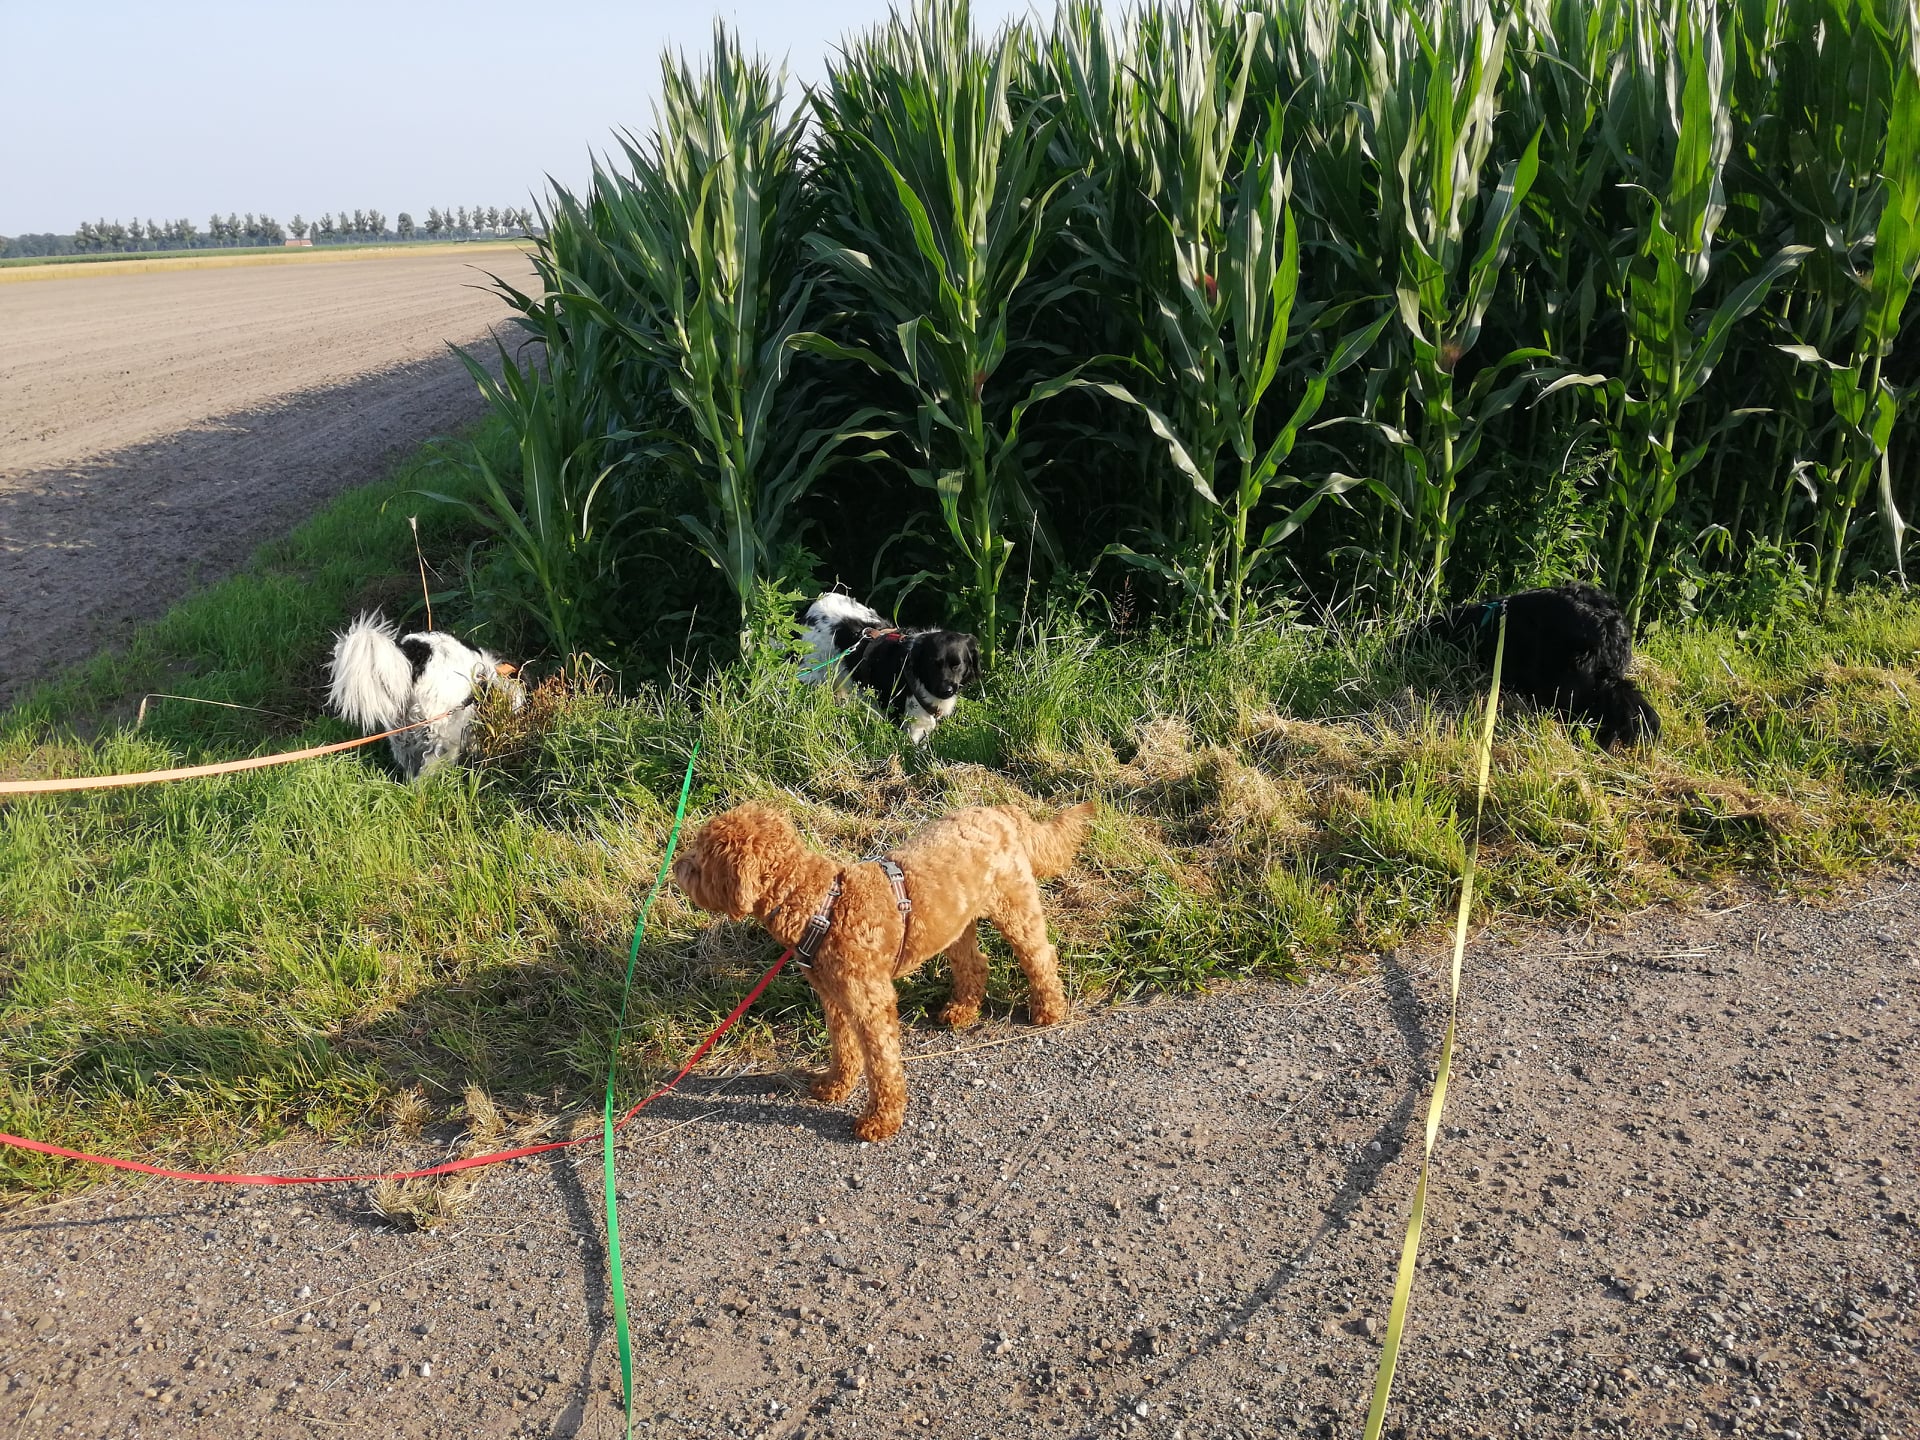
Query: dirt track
<point>1676,1197</point>
<point>155,427</point>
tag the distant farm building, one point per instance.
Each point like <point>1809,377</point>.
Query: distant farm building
<point>299,240</point>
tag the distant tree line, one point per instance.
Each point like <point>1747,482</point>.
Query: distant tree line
<point>341,228</point>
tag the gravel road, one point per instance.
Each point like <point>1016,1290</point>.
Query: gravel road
<point>1677,1194</point>
<point>156,427</point>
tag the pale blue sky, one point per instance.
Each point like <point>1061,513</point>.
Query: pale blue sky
<point>114,109</point>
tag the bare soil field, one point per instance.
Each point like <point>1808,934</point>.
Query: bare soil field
<point>156,426</point>
<point>1676,1195</point>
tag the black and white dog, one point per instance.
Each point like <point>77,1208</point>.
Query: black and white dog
<point>382,680</point>
<point>915,675</point>
<point>1568,647</point>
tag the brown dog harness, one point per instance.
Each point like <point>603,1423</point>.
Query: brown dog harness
<point>816,932</point>
<point>821,920</point>
<point>903,902</point>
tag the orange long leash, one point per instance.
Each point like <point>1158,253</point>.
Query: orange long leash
<point>195,772</point>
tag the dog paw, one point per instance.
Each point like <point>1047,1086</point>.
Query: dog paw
<point>956,1016</point>
<point>1048,1012</point>
<point>875,1128</point>
<point>828,1090</point>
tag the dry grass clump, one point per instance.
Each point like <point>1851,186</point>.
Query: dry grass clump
<point>440,1199</point>
<point>501,733</point>
<point>407,1112</point>
<point>1719,801</point>
<point>1283,740</point>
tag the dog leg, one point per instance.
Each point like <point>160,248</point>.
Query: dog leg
<point>1020,918</point>
<point>919,723</point>
<point>969,980</point>
<point>836,1082</point>
<point>876,1019</point>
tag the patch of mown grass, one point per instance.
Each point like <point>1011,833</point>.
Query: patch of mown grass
<point>190,969</point>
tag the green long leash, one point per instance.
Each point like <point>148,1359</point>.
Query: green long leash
<point>830,660</point>
<point>617,1274</point>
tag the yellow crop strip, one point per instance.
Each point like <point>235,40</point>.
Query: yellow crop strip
<point>133,265</point>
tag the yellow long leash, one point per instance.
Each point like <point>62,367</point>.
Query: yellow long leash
<point>1410,1250</point>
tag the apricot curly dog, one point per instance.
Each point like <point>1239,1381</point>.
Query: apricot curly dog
<point>869,927</point>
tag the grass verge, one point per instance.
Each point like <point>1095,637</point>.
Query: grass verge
<point>192,969</point>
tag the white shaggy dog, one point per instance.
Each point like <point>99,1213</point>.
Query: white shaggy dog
<point>914,675</point>
<point>382,680</point>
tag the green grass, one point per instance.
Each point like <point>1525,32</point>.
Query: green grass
<point>189,969</point>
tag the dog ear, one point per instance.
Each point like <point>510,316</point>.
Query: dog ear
<point>740,852</point>
<point>972,650</point>
<point>712,870</point>
<point>734,877</point>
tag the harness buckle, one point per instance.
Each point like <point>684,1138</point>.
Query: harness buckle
<point>818,924</point>
<point>897,878</point>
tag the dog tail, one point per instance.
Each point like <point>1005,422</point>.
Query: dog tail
<point>1052,844</point>
<point>371,676</point>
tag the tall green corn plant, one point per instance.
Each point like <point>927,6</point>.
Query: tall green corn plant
<point>1670,118</point>
<point>1174,121</point>
<point>1559,64</point>
<point>550,520</point>
<point>1082,70</point>
<point>1433,78</point>
<point>1849,92</point>
<point>1259,277</point>
<point>701,243</point>
<point>936,194</point>
<point>1316,60</point>
<point>1217,276</point>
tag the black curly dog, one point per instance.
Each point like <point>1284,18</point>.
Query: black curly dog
<point>1568,647</point>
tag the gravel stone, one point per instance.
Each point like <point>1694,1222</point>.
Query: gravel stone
<point>1054,1301</point>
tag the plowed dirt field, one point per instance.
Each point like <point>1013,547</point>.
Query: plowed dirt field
<point>155,426</point>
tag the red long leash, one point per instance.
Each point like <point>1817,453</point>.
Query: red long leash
<point>18,1142</point>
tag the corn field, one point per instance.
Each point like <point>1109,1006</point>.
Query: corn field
<point>1212,308</point>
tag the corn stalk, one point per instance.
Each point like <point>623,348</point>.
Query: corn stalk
<point>937,192</point>
<point>1433,76</point>
<point>548,520</point>
<point>702,243</point>
<point>1867,122</point>
<point>1672,104</point>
